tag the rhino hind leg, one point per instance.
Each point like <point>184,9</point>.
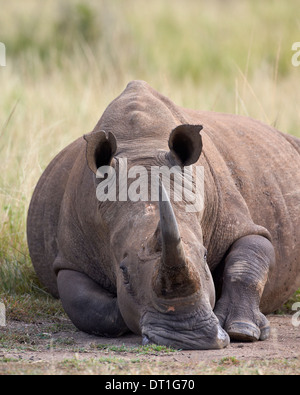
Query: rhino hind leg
<point>245,275</point>
<point>90,308</point>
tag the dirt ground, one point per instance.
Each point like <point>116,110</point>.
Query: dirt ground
<point>58,348</point>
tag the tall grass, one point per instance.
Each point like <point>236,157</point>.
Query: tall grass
<point>66,60</point>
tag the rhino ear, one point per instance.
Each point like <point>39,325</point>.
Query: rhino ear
<point>185,143</point>
<point>100,149</point>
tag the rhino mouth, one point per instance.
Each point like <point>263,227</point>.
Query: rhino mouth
<point>185,332</point>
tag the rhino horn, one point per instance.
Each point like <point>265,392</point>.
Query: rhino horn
<point>173,278</point>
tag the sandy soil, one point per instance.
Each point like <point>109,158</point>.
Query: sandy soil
<point>51,343</point>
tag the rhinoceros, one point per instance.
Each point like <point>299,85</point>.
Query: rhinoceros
<point>188,280</point>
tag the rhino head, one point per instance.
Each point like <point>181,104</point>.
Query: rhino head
<point>165,290</point>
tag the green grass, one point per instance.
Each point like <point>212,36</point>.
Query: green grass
<point>151,349</point>
<point>67,60</point>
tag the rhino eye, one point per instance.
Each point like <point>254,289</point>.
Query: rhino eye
<point>124,269</point>
<point>205,255</point>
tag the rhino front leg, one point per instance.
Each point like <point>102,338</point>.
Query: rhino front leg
<point>90,308</point>
<point>246,272</point>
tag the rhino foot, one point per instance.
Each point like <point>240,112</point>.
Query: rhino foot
<point>243,331</point>
<point>242,324</point>
<point>248,331</point>
<point>245,274</point>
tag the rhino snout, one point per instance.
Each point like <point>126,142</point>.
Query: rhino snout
<point>193,332</point>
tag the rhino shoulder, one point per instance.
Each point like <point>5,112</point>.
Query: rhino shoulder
<point>44,214</point>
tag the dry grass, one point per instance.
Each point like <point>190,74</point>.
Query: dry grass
<point>120,366</point>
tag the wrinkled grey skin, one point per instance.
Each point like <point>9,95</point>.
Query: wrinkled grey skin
<point>187,280</point>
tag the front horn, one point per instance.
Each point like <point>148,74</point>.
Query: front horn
<point>173,277</point>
